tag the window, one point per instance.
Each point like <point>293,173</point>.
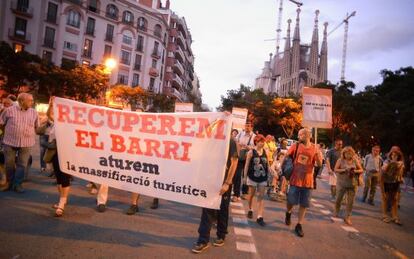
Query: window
<point>47,55</point>
<point>122,79</point>
<point>151,84</point>
<point>155,51</point>
<point>137,64</point>
<point>135,80</point>
<point>70,46</point>
<point>154,63</point>
<point>157,30</point>
<point>142,24</point>
<point>51,12</point>
<point>107,51</point>
<point>22,5</point>
<point>73,19</point>
<point>140,43</point>
<point>126,39</point>
<point>49,37</point>
<point>20,28</point>
<point>90,26</point>
<point>128,17</point>
<point>87,48</point>
<point>112,11</point>
<point>93,6</point>
<point>109,32</point>
<point>125,57</point>
<point>18,47</point>
<point>68,63</point>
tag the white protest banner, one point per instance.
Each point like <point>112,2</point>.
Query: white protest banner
<point>317,107</point>
<point>183,107</point>
<point>239,118</point>
<point>178,157</point>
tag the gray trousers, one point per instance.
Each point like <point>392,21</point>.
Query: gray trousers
<point>350,191</point>
<point>370,184</point>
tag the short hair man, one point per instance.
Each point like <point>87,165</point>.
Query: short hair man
<point>222,215</point>
<point>372,165</point>
<point>331,157</point>
<point>305,154</point>
<point>20,123</point>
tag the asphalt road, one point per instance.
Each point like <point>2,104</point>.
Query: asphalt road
<point>29,230</point>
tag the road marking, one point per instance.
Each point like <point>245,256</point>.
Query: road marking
<point>325,212</point>
<point>336,219</point>
<point>242,231</point>
<point>237,204</point>
<point>350,229</point>
<point>240,220</point>
<point>236,211</point>
<point>246,247</point>
<point>317,205</point>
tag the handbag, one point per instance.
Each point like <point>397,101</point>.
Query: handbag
<point>49,154</point>
<point>287,165</point>
<point>243,152</point>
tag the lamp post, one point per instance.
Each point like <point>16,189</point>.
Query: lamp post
<point>109,65</point>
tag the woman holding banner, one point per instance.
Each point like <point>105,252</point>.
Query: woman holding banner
<point>51,155</point>
<point>256,174</point>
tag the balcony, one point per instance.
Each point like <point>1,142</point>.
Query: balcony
<point>112,16</point>
<point>49,43</point>
<point>140,47</point>
<point>177,81</point>
<point>178,68</point>
<point>87,54</point>
<point>179,54</point>
<point>153,72</point>
<point>137,67</point>
<point>109,37</point>
<point>22,10</point>
<point>20,36</point>
<point>175,93</point>
<point>156,54</point>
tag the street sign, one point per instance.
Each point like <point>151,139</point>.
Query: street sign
<point>317,107</point>
<point>183,107</point>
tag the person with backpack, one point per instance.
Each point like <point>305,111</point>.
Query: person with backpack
<point>256,173</point>
<point>304,155</point>
<point>245,142</point>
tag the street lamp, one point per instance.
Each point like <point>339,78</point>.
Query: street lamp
<point>109,65</point>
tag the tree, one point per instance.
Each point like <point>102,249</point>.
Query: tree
<point>134,96</point>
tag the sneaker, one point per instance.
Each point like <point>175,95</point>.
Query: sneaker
<point>18,188</point>
<point>298,230</point>
<point>287,218</point>
<point>218,242</point>
<point>260,221</point>
<point>250,214</point>
<point>132,210</point>
<point>199,247</point>
<point>101,208</point>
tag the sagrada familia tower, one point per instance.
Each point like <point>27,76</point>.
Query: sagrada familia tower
<point>298,65</point>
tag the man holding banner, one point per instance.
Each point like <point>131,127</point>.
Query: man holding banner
<point>222,215</point>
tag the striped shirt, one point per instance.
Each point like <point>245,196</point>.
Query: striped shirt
<point>19,126</point>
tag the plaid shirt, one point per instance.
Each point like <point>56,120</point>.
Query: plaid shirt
<point>19,126</point>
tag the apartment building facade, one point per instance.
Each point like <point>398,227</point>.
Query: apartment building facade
<point>136,33</point>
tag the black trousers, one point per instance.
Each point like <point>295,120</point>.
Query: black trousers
<point>237,179</point>
<point>208,216</point>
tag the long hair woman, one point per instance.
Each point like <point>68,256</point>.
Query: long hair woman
<point>347,168</point>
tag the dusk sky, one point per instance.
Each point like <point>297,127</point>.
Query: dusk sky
<point>230,48</point>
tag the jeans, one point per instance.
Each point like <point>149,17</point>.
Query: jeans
<point>43,139</point>
<point>370,183</point>
<point>15,166</point>
<point>238,175</point>
<point>209,215</point>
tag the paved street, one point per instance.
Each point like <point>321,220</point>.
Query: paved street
<point>29,230</point>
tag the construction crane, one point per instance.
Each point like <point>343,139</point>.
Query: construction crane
<point>344,47</point>
<point>279,23</point>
